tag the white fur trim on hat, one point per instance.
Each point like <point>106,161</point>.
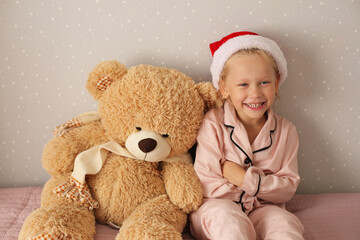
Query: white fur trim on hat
<point>222,54</point>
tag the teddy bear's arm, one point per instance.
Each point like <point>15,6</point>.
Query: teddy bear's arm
<point>60,152</point>
<point>182,185</point>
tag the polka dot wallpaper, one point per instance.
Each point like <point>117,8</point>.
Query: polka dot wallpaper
<point>49,47</point>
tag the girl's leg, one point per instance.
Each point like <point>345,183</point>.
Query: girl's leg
<point>273,222</point>
<point>219,219</point>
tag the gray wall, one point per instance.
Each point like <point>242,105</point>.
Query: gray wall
<point>47,49</point>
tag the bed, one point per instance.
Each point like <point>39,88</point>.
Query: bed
<point>325,216</point>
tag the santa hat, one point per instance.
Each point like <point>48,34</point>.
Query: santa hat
<point>223,49</point>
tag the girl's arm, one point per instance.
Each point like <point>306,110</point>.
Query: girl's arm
<point>207,165</point>
<point>278,187</point>
<point>234,173</point>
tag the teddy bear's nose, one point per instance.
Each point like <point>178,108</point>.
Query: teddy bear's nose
<point>147,145</point>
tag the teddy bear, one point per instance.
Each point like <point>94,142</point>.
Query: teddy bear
<point>128,164</point>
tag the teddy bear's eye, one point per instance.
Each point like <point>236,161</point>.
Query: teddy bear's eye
<point>165,135</point>
<point>138,128</point>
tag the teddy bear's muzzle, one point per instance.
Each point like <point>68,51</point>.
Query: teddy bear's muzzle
<point>148,146</point>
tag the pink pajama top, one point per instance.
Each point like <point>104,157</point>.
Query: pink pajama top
<point>270,162</point>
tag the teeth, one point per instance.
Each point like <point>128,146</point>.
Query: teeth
<point>254,105</point>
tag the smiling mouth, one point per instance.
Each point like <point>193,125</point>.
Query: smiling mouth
<point>255,106</point>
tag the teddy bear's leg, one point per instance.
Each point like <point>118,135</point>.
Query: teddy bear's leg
<point>58,217</point>
<point>156,219</point>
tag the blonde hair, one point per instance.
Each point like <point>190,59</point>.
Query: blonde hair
<point>249,51</point>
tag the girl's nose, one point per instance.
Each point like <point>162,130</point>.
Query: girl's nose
<point>255,91</point>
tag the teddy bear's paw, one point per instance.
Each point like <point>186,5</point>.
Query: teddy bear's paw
<point>65,221</point>
<point>78,192</point>
<point>53,236</point>
<point>189,201</point>
<point>183,186</point>
<point>190,207</point>
<point>149,230</point>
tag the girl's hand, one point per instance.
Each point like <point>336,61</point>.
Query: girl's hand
<point>233,172</point>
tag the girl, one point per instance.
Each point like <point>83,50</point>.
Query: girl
<point>246,157</point>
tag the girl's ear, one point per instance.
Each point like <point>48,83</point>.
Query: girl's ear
<point>223,90</point>
<point>103,75</point>
<point>277,84</point>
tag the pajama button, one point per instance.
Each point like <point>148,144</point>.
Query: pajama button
<point>247,161</point>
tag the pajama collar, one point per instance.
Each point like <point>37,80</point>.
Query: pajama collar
<point>262,141</point>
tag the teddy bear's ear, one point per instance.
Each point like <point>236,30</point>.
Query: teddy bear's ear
<point>103,75</point>
<point>211,96</point>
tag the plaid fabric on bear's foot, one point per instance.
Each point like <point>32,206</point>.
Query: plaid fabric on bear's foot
<point>54,236</point>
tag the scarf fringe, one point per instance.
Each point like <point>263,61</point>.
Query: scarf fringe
<point>78,192</point>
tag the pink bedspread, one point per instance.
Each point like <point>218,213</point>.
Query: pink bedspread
<point>325,216</point>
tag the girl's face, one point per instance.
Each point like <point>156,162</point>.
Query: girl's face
<point>251,85</point>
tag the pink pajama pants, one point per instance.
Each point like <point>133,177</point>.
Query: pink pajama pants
<point>219,219</point>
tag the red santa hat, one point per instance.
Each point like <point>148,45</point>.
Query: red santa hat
<point>223,49</point>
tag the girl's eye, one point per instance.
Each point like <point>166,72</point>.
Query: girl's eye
<point>264,82</point>
<point>242,84</point>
